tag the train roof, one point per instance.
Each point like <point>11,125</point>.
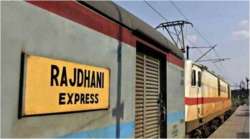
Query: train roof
<point>211,72</point>
<point>128,20</point>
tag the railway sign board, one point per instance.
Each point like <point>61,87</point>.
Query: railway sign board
<point>58,86</point>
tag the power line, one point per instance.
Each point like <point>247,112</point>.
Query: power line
<point>205,53</point>
<point>198,32</point>
<point>215,65</point>
<point>156,11</point>
<point>179,10</point>
<point>159,14</point>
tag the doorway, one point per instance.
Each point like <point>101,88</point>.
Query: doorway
<point>150,97</point>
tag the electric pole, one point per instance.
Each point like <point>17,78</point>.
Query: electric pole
<point>247,81</point>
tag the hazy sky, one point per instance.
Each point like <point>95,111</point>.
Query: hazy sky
<point>223,23</point>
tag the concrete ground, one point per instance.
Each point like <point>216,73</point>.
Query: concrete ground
<point>237,126</point>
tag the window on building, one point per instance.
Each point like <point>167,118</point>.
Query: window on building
<point>193,81</point>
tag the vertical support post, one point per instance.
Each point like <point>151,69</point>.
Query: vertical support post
<point>187,53</point>
<point>247,80</point>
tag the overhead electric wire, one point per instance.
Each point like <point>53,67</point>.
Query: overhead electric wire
<point>179,10</point>
<point>200,34</point>
<point>196,30</point>
<point>216,66</point>
<point>156,11</point>
<point>159,14</point>
<point>163,17</point>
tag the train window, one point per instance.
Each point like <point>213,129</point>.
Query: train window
<point>193,82</point>
<point>199,78</point>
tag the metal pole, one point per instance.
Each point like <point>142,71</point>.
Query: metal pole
<point>247,80</point>
<point>187,52</point>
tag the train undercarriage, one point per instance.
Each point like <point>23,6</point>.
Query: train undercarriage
<point>208,128</point>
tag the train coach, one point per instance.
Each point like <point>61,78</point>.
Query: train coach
<point>207,100</point>
<point>87,69</point>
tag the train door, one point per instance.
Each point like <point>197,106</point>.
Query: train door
<point>199,93</point>
<point>197,88</point>
<point>148,99</point>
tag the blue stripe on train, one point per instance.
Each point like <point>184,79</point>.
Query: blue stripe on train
<point>126,131</point>
<point>174,117</point>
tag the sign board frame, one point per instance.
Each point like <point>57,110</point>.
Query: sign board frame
<point>22,87</point>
